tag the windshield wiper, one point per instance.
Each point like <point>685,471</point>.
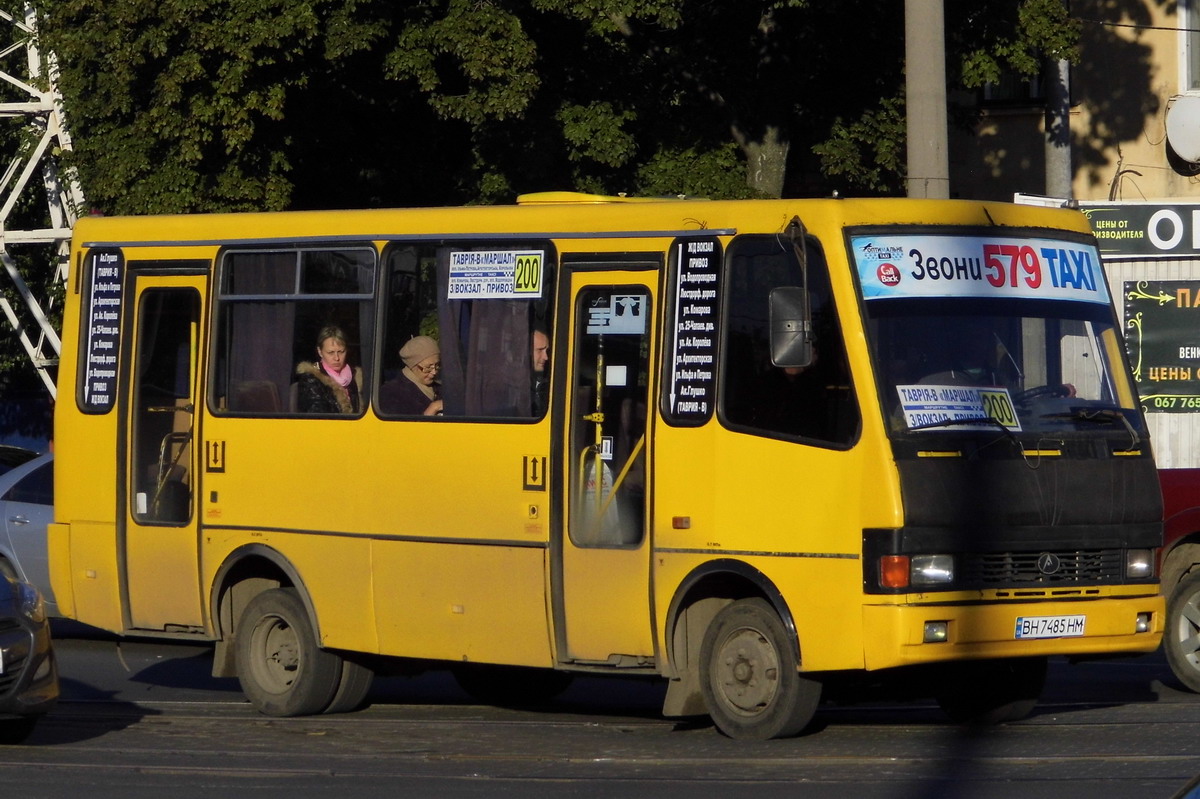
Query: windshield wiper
<point>1099,416</point>
<point>991,420</point>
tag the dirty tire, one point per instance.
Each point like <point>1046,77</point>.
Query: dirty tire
<point>352,690</point>
<point>983,692</point>
<point>282,670</point>
<point>1182,637</point>
<point>749,674</point>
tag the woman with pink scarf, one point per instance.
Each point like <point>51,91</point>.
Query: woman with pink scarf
<point>330,385</point>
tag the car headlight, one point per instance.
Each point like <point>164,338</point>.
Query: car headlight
<point>30,602</point>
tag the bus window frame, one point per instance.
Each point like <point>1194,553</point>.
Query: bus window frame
<point>426,247</point>
<point>813,246</point>
<point>221,299</point>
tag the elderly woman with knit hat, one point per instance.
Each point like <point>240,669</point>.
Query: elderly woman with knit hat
<point>413,392</point>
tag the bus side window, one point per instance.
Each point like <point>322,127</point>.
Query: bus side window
<point>487,334</point>
<point>410,330</point>
<point>815,402</point>
<point>272,306</point>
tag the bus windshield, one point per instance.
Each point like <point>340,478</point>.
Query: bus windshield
<point>999,333</point>
<point>1030,368</point>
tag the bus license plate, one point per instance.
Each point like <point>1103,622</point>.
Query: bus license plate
<point>1050,626</point>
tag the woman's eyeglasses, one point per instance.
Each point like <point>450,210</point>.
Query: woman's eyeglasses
<point>428,369</point>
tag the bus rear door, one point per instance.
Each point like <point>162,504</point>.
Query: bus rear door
<point>160,541</point>
<point>605,549</point>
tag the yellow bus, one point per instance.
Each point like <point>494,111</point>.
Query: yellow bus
<point>750,447</point>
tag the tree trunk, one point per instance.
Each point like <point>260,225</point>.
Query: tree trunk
<point>766,161</point>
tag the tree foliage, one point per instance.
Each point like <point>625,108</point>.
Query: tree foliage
<point>181,105</point>
<point>198,105</point>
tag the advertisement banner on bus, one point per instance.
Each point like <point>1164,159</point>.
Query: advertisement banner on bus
<point>926,266</point>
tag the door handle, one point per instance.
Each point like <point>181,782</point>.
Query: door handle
<point>18,520</point>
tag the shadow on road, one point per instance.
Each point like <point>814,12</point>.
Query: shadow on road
<point>184,671</point>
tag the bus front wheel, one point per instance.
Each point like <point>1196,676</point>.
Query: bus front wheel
<point>750,675</point>
<point>1182,638</point>
<point>282,670</point>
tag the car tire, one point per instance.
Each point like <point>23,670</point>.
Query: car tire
<point>1182,637</point>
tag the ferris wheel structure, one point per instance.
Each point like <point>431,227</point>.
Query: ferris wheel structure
<point>29,96</point>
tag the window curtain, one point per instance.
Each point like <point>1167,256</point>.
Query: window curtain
<point>259,344</point>
<point>486,353</point>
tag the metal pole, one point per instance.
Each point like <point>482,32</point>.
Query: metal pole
<point>1058,129</point>
<point>925,77</point>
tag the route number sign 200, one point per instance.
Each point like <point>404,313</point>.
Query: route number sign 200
<point>527,278</point>
<point>998,405</point>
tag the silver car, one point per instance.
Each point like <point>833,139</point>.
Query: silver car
<point>28,672</point>
<point>26,509</point>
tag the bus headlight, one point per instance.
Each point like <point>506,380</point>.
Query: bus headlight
<point>932,569</point>
<point>1139,563</point>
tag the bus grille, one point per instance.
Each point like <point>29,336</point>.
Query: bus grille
<point>1022,568</point>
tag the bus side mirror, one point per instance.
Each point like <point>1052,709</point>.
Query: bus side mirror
<point>791,327</point>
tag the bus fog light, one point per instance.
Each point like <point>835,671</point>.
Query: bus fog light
<point>1143,622</point>
<point>1139,563</point>
<point>932,569</point>
<point>936,632</point>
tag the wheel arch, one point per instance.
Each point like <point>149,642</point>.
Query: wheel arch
<point>1179,560</point>
<point>9,564</point>
<point>700,596</point>
<point>246,572</point>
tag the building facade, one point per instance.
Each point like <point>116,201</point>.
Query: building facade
<point>1134,112</point>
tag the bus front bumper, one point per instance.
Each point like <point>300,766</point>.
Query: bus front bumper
<point>909,634</point>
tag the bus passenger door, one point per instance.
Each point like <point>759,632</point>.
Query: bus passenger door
<point>605,611</point>
<point>161,535</point>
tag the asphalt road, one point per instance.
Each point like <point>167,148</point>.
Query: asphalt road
<point>143,719</point>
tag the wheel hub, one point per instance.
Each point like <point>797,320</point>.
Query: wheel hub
<point>748,674</point>
<point>279,654</point>
<point>1189,630</point>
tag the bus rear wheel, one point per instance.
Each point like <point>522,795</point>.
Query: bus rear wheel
<point>1182,638</point>
<point>353,687</point>
<point>986,692</point>
<point>281,669</point>
<point>750,674</point>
